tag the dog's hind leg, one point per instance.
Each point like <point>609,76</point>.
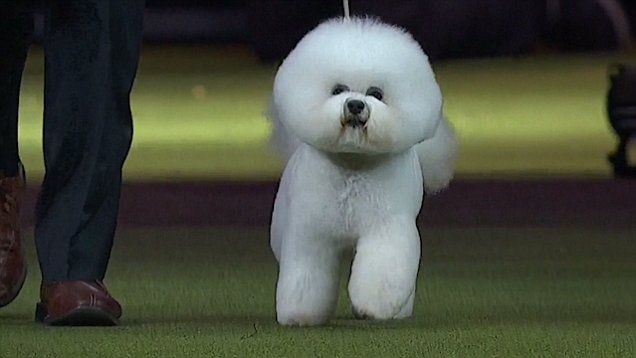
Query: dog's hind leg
<point>384,272</point>
<point>307,290</point>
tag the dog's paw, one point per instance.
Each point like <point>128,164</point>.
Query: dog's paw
<point>381,314</point>
<point>383,308</point>
<point>301,319</point>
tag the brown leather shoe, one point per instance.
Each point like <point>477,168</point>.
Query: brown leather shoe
<point>12,263</point>
<point>77,303</point>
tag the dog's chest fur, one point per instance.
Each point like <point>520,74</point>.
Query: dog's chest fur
<point>358,202</point>
<point>343,198</point>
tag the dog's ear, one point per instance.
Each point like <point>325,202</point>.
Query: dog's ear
<point>281,139</point>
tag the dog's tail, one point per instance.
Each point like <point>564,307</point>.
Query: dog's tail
<point>437,157</point>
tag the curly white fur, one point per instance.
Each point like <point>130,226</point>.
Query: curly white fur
<point>354,186</point>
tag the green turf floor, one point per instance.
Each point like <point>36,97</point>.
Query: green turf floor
<point>199,114</point>
<point>482,292</point>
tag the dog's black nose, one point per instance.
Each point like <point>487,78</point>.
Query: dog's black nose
<point>355,106</point>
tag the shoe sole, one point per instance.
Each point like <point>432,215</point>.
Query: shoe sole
<point>17,290</point>
<point>81,316</point>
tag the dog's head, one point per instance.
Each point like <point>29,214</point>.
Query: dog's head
<point>358,86</point>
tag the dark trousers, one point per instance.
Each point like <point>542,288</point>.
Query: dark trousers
<point>92,51</point>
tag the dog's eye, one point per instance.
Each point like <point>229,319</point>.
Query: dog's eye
<point>375,92</point>
<point>338,89</point>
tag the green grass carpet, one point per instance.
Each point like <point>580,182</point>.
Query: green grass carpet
<point>199,114</point>
<point>482,292</point>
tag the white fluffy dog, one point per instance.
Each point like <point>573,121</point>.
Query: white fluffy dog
<point>358,113</point>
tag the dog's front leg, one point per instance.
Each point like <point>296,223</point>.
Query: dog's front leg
<point>384,272</point>
<point>307,289</point>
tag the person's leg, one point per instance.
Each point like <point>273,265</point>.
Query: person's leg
<point>92,49</point>
<point>16,30</point>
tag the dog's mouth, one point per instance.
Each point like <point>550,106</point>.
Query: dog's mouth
<point>354,121</point>
<point>353,133</point>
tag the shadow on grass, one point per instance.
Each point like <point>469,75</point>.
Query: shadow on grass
<point>211,319</point>
<point>520,315</point>
<point>16,319</point>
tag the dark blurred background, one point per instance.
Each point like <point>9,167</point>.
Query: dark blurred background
<point>445,28</point>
